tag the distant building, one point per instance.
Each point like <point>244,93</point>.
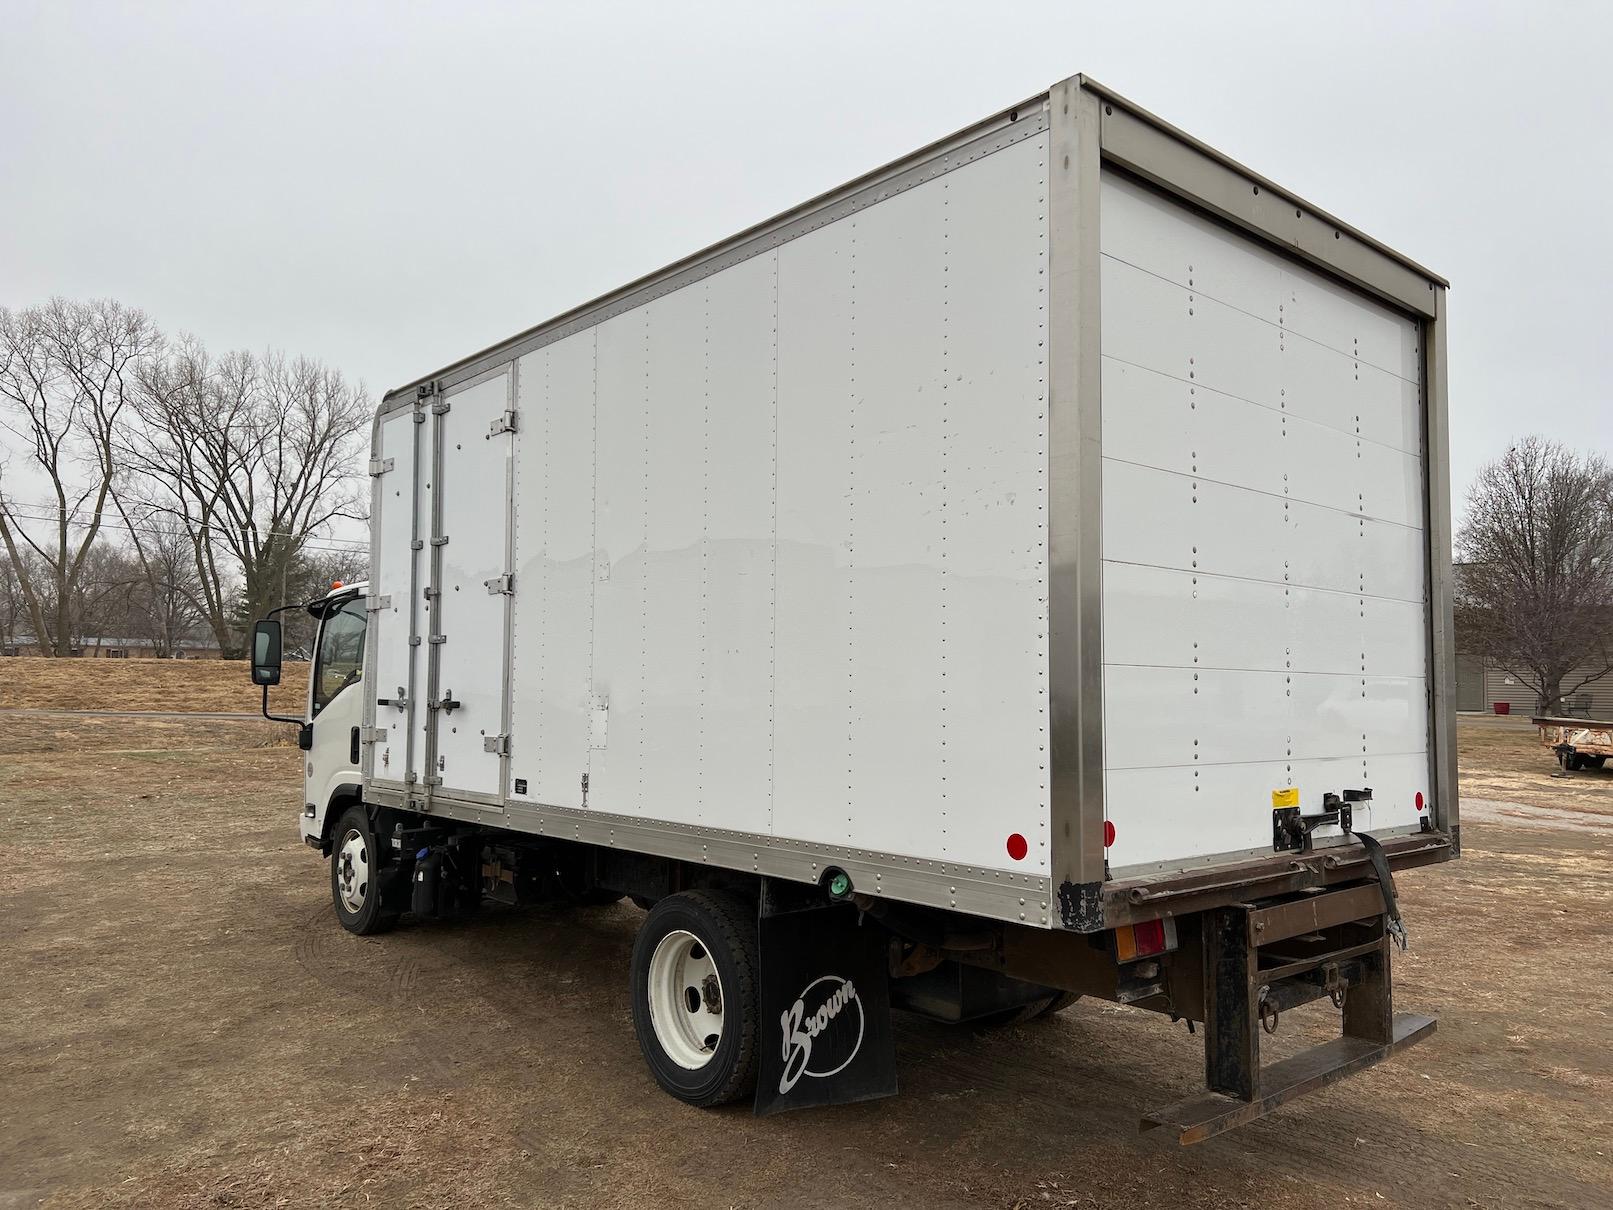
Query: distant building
<point>1480,685</point>
<point>113,648</point>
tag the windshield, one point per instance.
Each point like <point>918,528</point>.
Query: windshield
<point>340,659</point>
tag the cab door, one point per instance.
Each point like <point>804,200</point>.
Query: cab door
<point>336,704</point>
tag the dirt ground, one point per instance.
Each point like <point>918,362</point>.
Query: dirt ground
<point>38,683</point>
<point>182,1023</point>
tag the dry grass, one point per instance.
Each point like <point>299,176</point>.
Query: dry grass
<point>1504,759</point>
<point>186,1025</point>
<point>100,684</point>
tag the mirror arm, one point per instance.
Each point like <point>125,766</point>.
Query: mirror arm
<point>276,718</point>
<point>279,718</point>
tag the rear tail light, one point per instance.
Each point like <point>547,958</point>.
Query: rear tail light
<point>1133,941</point>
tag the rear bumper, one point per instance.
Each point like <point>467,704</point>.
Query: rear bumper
<point>1257,961</point>
<point>1131,901</point>
<point>1212,1113</point>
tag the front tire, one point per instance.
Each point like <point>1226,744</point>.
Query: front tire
<point>695,998</point>
<point>356,876</point>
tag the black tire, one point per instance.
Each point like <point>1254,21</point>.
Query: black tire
<point>724,925</point>
<point>371,914</point>
<point>1036,1010</point>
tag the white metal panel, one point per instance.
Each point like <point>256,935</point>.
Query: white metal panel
<point>475,511</point>
<point>674,559</point>
<point>894,523</point>
<point>734,757</point>
<point>993,551</point>
<point>1262,489</point>
<point>391,568</point>
<point>621,599</point>
<point>781,538</point>
<point>551,689</point>
<point>813,669</point>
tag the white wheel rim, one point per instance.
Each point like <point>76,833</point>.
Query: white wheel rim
<point>686,1000</point>
<point>353,871</point>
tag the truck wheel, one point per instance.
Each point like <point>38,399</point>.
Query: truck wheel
<point>355,876</point>
<point>1036,1010</point>
<point>695,1005</point>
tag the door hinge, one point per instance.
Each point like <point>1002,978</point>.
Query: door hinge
<point>498,745</point>
<point>440,408</point>
<point>377,604</point>
<point>425,390</point>
<point>372,735</point>
<point>442,541</point>
<point>380,466</point>
<point>504,424</point>
<point>500,584</point>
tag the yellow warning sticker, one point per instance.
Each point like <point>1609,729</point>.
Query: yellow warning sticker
<point>1285,798</point>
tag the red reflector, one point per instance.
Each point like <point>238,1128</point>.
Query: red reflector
<point>1419,800</point>
<point>1108,833</point>
<point>1017,847</point>
<point>1150,937</point>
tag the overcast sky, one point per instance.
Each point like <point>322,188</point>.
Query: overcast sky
<point>390,186</point>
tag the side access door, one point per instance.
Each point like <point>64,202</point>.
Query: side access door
<point>470,588</point>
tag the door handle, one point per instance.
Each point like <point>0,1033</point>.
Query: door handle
<point>352,747</point>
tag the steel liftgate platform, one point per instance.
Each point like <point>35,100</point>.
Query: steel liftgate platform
<point>1262,959</point>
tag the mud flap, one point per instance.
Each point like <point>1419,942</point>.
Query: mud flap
<point>825,1005</point>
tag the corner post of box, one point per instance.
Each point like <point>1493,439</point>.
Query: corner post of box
<point>1442,631</point>
<point>1074,466</point>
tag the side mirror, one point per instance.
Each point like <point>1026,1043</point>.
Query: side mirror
<point>266,653</point>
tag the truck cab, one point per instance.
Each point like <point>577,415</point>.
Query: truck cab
<point>333,713</point>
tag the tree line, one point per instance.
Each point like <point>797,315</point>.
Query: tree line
<point>152,490</point>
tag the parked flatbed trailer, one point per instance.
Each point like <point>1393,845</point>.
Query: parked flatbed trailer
<point>1579,743</point>
<point>1021,573</point>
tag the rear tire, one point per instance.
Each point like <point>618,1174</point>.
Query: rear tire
<point>695,996</point>
<point>357,876</point>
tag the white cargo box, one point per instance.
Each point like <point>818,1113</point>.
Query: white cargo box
<point>1014,528</point>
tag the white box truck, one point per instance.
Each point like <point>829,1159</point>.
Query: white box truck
<point>1019,574</point>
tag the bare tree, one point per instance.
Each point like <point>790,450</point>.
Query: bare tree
<point>67,371</point>
<point>252,456</point>
<point>13,609</point>
<point>161,602</point>
<point>1535,593</point>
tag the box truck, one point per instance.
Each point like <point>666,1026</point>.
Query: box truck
<point>1019,574</point>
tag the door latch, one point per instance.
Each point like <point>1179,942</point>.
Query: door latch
<point>1291,829</point>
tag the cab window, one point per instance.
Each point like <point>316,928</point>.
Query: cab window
<point>340,659</point>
